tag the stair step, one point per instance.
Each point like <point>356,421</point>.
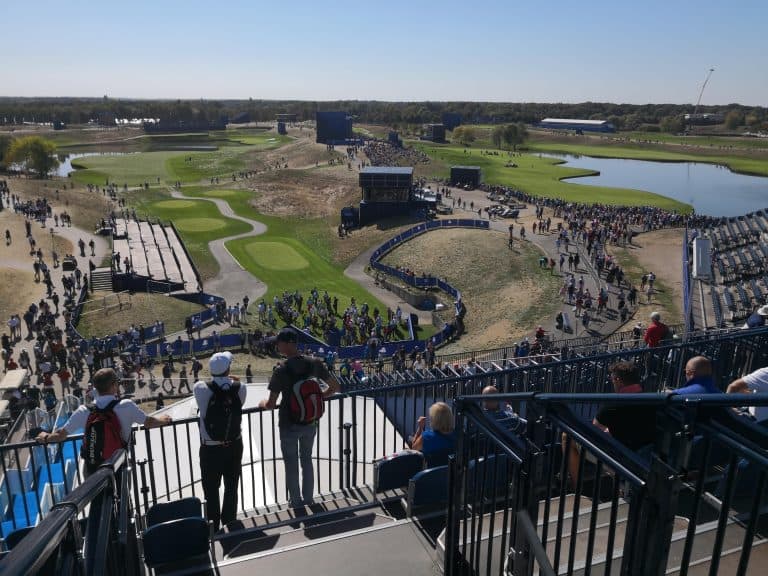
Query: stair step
<point>729,562</point>
<point>304,530</point>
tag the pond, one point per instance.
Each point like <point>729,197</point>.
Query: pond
<point>711,189</point>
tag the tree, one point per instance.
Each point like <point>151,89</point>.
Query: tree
<point>464,134</point>
<point>497,136</point>
<point>515,134</point>
<point>671,124</point>
<point>5,144</point>
<point>35,153</point>
<point>734,119</point>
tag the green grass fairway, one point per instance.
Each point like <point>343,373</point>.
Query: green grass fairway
<point>712,141</point>
<point>275,256</point>
<point>288,256</point>
<point>261,140</point>
<point>542,177</point>
<point>200,224</point>
<point>174,204</point>
<point>131,169</point>
<point>754,166</point>
<point>172,165</point>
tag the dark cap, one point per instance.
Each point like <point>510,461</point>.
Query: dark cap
<point>285,335</point>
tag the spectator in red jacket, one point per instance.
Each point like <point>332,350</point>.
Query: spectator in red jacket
<point>656,331</point>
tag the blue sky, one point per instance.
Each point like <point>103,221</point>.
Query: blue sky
<point>482,50</point>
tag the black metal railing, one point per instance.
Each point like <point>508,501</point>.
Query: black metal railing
<point>360,425</point>
<point>104,544</point>
<point>519,503</point>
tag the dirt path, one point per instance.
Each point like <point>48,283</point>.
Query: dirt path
<point>16,257</point>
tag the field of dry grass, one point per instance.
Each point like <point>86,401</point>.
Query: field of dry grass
<point>505,291</point>
<point>144,309</point>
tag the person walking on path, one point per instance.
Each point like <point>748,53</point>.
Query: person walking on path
<point>296,379</point>
<point>220,403</point>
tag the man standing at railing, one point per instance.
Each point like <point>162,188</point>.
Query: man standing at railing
<point>220,404</point>
<point>656,331</point>
<point>106,383</point>
<point>292,383</point>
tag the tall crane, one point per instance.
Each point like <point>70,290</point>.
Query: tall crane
<point>701,92</point>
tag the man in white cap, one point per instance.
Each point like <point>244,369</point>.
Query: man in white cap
<point>220,403</point>
<point>757,318</point>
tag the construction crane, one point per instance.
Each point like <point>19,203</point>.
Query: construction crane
<point>691,119</point>
<point>701,92</point>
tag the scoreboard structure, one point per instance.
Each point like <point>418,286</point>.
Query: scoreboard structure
<point>333,127</point>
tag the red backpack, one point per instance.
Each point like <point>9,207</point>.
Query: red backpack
<point>306,404</point>
<point>102,436</point>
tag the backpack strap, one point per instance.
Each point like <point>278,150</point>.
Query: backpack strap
<point>108,408</point>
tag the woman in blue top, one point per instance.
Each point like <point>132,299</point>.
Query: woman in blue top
<point>438,441</point>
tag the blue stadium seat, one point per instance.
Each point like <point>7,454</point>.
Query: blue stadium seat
<point>20,511</point>
<point>175,541</point>
<point>16,536</point>
<point>185,508</point>
<point>488,475</point>
<point>428,488</point>
<point>395,471</point>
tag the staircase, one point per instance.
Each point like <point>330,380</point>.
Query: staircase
<point>101,279</point>
<point>342,534</point>
<point>701,556</point>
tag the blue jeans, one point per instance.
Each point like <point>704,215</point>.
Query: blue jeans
<point>296,442</point>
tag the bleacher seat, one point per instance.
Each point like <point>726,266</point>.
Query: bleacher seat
<point>184,508</point>
<point>485,473</point>
<point>395,471</point>
<point>176,532</point>
<point>176,540</point>
<point>427,489</point>
<point>16,536</point>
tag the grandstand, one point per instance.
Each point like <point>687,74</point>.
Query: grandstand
<point>739,283</point>
<point>155,252</point>
<point>512,509</point>
<point>577,125</point>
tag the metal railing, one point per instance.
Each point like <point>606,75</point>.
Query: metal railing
<point>374,418</point>
<point>107,544</point>
<point>515,507</point>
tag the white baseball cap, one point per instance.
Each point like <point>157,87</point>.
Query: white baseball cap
<point>219,363</point>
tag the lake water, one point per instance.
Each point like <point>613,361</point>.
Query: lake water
<point>711,189</point>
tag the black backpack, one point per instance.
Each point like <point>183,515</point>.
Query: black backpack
<point>224,413</point>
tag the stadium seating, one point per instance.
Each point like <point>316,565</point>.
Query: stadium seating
<point>176,531</point>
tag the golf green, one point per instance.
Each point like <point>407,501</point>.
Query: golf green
<point>175,204</point>
<point>199,224</point>
<point>275,256</point>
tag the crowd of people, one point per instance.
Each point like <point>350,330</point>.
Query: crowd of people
<point>381,153</point>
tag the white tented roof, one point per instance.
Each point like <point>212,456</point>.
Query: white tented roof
<point>572,121</point>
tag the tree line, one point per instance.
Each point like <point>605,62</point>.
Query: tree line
<point>396,114</point>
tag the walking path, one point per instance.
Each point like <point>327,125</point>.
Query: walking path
<point>233,282</point>
<point>601,324</point>
<point>102,249</point>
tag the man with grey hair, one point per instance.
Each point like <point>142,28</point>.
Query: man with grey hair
<point>656,331</point>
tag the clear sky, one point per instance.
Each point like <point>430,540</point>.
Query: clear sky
<point>644,51</point>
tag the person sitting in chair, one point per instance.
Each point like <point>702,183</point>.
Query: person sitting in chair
<point>437,441</point>
<point>632,425</point>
